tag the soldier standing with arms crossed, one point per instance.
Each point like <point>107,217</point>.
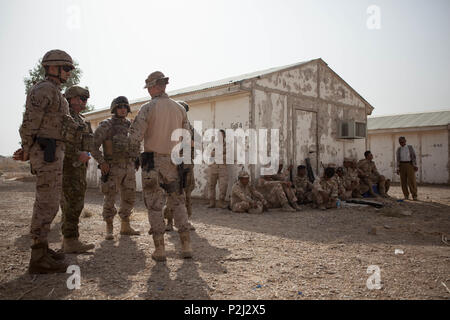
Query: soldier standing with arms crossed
<point>117,167</point>
<point>42,132</point>
<point>76,158</point>
<point>155,123</point>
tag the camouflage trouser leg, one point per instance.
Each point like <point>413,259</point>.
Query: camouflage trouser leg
<point>301,195</point>
<point>190,186</point>
<point>48,190</point>
<point>242,206</point>
<point>290,194</point>
<point>127,191</point>
<point>217,173</point>
<point>72,200</point>
<point>110,190</point>
<point>276,198</point>
<point>155,196</point>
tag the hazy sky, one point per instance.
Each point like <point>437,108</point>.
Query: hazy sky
<point>402,67</point>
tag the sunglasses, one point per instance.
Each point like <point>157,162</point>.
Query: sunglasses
<point>67,68</point>
<point>84,99</point>
<point>122,107</point>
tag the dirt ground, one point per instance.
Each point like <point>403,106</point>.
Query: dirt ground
<point>277,255</point>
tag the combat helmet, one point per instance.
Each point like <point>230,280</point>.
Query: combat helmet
<point>119,101</point>
<point>76,91</point>
<point>57,58</point>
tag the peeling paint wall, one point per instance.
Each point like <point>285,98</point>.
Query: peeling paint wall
<point>301,80</point>
<point>431,148</point>
<point>332,88</point>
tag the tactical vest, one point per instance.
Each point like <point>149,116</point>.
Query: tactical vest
<point>55,118</point>
<point>81,139</point>
<point>116,145</point>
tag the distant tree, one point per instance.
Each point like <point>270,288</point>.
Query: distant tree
<point>38,74</point>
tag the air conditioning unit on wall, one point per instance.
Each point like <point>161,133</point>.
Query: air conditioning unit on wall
<point>351,129</point>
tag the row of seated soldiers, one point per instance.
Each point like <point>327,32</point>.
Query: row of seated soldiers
<point>278,191</point>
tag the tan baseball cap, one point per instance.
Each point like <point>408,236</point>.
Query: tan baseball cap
<point>243,174</point>
<point>153,77</point>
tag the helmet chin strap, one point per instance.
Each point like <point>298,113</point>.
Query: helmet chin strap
<point>61,80</point>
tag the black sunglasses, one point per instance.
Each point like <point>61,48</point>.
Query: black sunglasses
<point>67,68</point>
<point>83,98</point>
<point>122,107</point>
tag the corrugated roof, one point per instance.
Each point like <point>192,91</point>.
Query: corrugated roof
<point>410,120</point>
<point>218,83</point>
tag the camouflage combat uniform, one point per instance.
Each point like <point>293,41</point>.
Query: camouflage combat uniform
<point>44,115</point>
<point>155,124</point>
<point>218,173</point>
<point>328,193</point>
<point>74,177</point>
<point>43,132</point>
<point>289,191</point>
<point>369,176</point>
<point>242,197</point>
<point>113,135</point>
<point>304,189</point>
<point>272,192</point>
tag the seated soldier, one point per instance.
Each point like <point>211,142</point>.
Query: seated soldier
<point>283,177</point>
<point>304,189</point>
<point>274,194</point>
<point>343,194</point>
<point>369,176</point>
<point>327,195</point>
<point>244,198</point>
<point>351,179</point>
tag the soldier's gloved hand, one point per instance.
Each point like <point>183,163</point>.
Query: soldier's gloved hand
<point>104,167</point>
<point>84,157</point>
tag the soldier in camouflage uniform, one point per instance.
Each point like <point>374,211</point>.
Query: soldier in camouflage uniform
<point>369,176</point>
<point>190,184</point>
<point>218,173</point>
<point>273,193</point>
<point>303,187</point>
<point>283,177</point>
<point>327,190</point>
<point>343,194</point>
<point>74,172</point>
<point>155,124</point>
<point>245,198</point>
<point>43,131</point>
<point>351,179</point>
<point>117,167</point>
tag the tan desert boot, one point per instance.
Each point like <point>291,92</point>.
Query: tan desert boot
<point>126,229</point>
<point>160,252</point>
<point>73,245</point>
<point>186,250</point>
<point>41,262</point>
<point>109,229</point>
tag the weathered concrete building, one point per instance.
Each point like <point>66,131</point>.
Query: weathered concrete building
<point>317,113</point>
<point>428,133</point>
